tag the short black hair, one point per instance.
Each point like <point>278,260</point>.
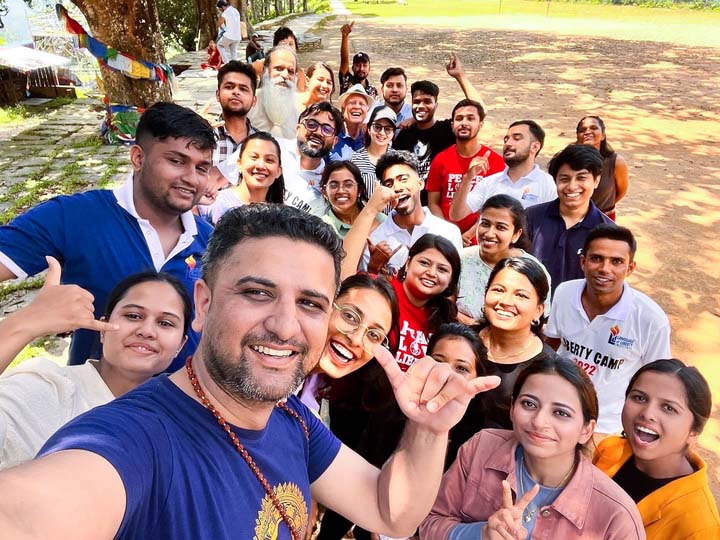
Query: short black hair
<point>577,157</point>
<point>166,120</point>
<point>611,232</point>
<point>469,103</point>
<point>222,3</point>
<point>392,72</point>
<point>263,220</point>
<point>535,130</point>
<point>396,157</point>
<point>119,291</point>
<point>324,106</point>
<point>236,66</point>
<point>282,33</point>
<point>425,87</point>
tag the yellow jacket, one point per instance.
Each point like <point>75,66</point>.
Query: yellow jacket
<point>683,509</point>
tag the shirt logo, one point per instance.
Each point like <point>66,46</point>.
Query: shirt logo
<point>194,272</point>
<point>618,340</point>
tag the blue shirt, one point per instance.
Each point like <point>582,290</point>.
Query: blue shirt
<point>556,246</point>
<point>345,146</point>
<point>183,478</point>
<point>98,243</point>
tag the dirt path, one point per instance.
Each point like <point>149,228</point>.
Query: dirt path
<point>661,104</point>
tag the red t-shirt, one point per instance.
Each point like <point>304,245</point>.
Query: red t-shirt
<point>446,172</point>
<point>414,334</point>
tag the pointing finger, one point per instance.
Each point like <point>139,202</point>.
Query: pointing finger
<point>100,326</point>
<point>486,154</point>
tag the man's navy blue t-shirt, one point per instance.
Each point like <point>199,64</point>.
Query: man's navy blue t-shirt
<point>98,244</point>
<point>556,246</point>
<point>183,478</point>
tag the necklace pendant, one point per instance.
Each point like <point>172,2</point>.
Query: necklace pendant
<point>528,517</point>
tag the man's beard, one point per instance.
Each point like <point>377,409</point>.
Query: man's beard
<point>237,378</point>
<point>279,103</point>
<point>517,158</point>
<point>311,152</point>
<point>239,113</point>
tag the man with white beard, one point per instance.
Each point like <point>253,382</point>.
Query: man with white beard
<point>276,108</point>
<point>303,156</point>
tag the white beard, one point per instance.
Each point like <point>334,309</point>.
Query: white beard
<point>279,106</point>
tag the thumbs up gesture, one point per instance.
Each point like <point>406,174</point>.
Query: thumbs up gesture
<point>62,308</point>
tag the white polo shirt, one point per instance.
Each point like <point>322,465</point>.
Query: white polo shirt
<point>611,347</point>
<point>534,188</point>
<point>302,186</point>
<point>395,236</point>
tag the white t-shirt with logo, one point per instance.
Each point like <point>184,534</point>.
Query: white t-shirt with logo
<point>611,347</point>
<point>302,187</point>
<point>534,188</point>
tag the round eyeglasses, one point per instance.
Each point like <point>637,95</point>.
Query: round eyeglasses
<point>312,125</point>
<point>379,128</point>
<point>350,321</point>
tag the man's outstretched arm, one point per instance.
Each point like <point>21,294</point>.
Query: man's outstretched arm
<point>71,494</point>
<point>346,30</point>
<point>455,69</point>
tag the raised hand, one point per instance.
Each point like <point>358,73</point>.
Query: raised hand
<point>381,197</point>
<point>62,308</point>
<point>506,523</point>
<point>380,255</point>
<point>431,393</point>
<point>346,28</point>
<point>454,66</point>
<point>479,166</point>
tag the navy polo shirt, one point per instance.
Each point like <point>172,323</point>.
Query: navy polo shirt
<point>98,243</point>
<point>556,246</point>
<point>345,146</point>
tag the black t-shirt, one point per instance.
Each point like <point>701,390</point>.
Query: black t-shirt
<point>425,143</point>
<point>636,483</point>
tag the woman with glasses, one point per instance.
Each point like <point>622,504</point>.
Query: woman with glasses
<point>343,188</point>
<point>380,132</point>
<point>261,177</point>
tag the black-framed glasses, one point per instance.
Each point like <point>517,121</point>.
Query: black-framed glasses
<point>313,125</point>
<point>379,128</point>
<point>347,185</point>
<point>350,321</point>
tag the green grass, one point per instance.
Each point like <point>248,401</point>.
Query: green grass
<point>13,115</point>
<point>580,10</point>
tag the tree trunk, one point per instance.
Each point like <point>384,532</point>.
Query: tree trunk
<point>244,16</point>
<point>292,6</point>
<point>132,27</point>
<point>206,21</point>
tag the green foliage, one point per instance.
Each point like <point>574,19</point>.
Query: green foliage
<point>178,23</point>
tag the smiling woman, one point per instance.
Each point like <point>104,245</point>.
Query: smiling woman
<point>149,314</point>
<point>666,407</point>
<point>554,412</point>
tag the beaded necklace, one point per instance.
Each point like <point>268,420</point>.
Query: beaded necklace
<point>296,535</point>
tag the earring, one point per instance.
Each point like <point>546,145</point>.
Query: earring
<point>535,322</point>
<point>402,274</point>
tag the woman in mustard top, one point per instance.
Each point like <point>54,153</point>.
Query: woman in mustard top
<point>666,407</point>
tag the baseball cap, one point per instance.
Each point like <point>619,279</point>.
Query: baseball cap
<point>355,90</point>
<point>361,57</point>
<point>383,112</point>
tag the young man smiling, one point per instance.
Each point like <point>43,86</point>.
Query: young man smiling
<point>303,158</point>
<point>222,449</point>
<point>428,136</point>
<point>102,236</point>
<point>557,229</point>
<point>604,325</point>
<point>409,220</point>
